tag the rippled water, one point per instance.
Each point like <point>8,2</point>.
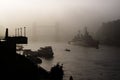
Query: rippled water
<point>84,63</point>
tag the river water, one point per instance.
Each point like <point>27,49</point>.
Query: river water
<point>83,63</point>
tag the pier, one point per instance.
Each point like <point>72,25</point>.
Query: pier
<point>16,66</point>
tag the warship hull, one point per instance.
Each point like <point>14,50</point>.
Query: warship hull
<point>94,44</point>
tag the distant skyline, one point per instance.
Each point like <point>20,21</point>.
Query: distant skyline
<point>70,14</point>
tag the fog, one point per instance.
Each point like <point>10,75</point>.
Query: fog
<point>56,20</point>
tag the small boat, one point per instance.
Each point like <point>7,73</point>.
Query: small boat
<point>45,52</point>
<point>67,50</point>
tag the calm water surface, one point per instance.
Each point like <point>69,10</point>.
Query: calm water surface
<point>83,63</point>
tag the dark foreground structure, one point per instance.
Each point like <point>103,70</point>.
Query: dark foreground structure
<point>18,67</point>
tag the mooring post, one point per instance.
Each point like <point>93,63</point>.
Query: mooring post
<point>24,31</point>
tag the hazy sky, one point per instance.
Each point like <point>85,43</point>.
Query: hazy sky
<point>70,15</point>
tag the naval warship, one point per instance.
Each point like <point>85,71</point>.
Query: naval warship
<point>85,40</point>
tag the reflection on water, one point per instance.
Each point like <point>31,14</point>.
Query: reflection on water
<point>84,63</point>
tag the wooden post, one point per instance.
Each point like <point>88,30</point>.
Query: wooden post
<point>15,32</point>
<point>24,31</point>
<point>21,31</point>
<point>18,31</point>
<point>6,33</point>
